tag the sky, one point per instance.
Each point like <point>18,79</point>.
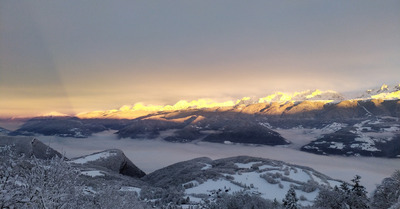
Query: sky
<point>78,56</point>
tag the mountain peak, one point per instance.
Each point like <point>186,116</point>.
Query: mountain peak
<point>385,92</point>
<point>54,114</point>
<point>317,94</point>
<point>384,87</point>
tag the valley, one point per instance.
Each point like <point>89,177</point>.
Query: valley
<point>152,155</point>
<point>308,142</point>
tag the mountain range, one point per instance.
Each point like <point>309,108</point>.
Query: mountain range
<point>384,92</point>
<point>367,125</point>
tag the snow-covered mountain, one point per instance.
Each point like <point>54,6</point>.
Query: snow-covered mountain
<point>384,92</point>
<point>113,160</point>
<point>312,95</point>
<point>369,125</point>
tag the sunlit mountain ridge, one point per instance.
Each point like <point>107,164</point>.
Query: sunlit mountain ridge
<point>54,114</point>
<point>385,92</point>
<point>367,124</point>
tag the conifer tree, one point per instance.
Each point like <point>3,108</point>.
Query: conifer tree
<point>358,195</point>
<point>290,201</point>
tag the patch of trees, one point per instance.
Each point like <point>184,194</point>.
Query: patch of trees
<point>352,196</point>
<point>347,196</point>
<point>387,194</point>
<point>242,200</point>
<point>35,183</point>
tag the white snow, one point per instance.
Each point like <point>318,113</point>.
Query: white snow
<point>309,196</point>
<point>206,166</point>
<point>246,165</point>
<point>130,189</point>
<point>267,190</point>
<point>194,182</point>
<point>337,145</point>
<point>271,191</point>
<point>361,124</point>
<point>333,127</point>
<point>210,185</point>
<point>93,157</point>
<point>256,184</point>
<point>299,176</point>
<point>365,146</point>
<point>92,173</point>
<point>265,124</point>
<point>89,190</point>
<point>368,138</point>
<point>368,112</point>
<point>267,167</point>
<point>334,183</point>
<point>194,199</point>
<point>391,129</point>
<point>317,179</point>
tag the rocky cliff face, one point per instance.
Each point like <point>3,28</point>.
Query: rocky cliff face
<point>113,159</point>
<point>29,147</point>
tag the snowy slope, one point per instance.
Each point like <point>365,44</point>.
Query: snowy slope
<point>252,179</point>
<point>206,179</point>
<point>378,136</point>
<point>386,92</point>
<point>93,157</point>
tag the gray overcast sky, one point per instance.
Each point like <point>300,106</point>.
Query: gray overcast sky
<point>73,56</point>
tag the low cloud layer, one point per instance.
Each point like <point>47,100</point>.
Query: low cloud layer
<point>150,155</point>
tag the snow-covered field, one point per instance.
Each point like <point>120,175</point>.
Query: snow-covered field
<point>92,173</point>
<point>150,155</point>
<point>93,157</point>
<point>271,180</point>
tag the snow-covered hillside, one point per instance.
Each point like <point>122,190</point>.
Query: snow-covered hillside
<point>270,181</point>
<point>206,179</point>
<point>378,136</point>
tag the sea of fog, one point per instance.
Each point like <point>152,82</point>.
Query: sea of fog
<point>150,155</point>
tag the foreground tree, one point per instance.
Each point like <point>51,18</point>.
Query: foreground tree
<point>346,197</point>
<point>290,201</point>
<point>328,198</point>
<point>241,200</point>
<point>387,194</point>
<point>34,183</point>
<point>358,195</point>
